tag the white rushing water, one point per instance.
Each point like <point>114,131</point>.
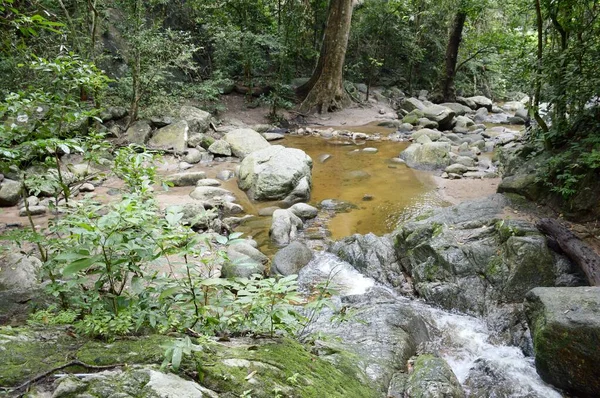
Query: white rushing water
<point>463,340</point>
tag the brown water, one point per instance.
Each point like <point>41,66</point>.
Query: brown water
<point>396,190</point>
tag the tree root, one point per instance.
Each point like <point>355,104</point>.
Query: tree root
<point>26,384</point>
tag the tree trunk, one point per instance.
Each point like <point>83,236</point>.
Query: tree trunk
<point>538,69</point>
<point>580,253</point>
<point>325,91</point>
<point>447,84</point>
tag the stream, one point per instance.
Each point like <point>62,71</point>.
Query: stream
<point>463,341</point>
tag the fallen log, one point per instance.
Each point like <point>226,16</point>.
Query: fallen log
<point>574,248</point>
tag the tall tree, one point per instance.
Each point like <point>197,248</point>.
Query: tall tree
<point>325,91</point>
<point>447,84</point>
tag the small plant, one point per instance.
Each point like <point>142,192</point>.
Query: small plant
<point>177,350</point>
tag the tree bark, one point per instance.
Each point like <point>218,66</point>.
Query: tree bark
<point>580,253</point>
<point>325,91</point>
<point>447,84</point>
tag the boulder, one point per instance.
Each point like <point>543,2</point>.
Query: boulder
<point>208,194</point>
<point>197,120</point>
<point>441,115</point>
<point>458,109</point>
<point>245,141</point>
<point>431,156</point>
<point>245,260</point>
<point>193,156</point>
<point>188,179</point>
<point>273,136</point>
<point>18,272</point>
<point>275,172</point>
<point>208,182</point>
<point>113,113</point>
<point>33,210</point>
<point>173,136</point>
<point>457,168</point>
<point>195,215</point>
<point>467,258</point>
<point>481,102</point>
<point>304,211</point>
<point>138,133</point>
<point>466,102</point>
<point>434,135</point>
<point>410,104</point>
<point>291,259</point>
<point>565,326</point>
<point>432,377</point>
<point>220,147</point>
<point>284,227</point>
<point>374,257</point>
<point>10,192</point>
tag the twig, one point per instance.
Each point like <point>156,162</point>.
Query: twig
<point>67,365</point>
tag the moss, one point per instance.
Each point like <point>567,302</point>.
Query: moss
<point>437,229</point>
<point>494,266</point>
<point>424,216</point>
<point>262,367</point>
<point>281,365</point>
<point>27,352</point>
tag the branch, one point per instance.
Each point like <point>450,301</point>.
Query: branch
<point>478,52</point>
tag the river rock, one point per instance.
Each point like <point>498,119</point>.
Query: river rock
<point>187,179</point>
<point>113,113</point>
<point>458,109</point>
<point>383,333</point>
<point>337,205</point>
<point>33,210</point>
<point>467,258</point>
<point>457,168</point>
<point>273,136</point>
<point>441,115</point>
<point>291,259</point>
<point>208,182</point>
<point>220,147</point>
<point>410,104</point>
<point>208,194</point>
<point>565,326</point>
<point>134,381</point>
<point>195,215</point>
<point>304,211</point>
<point>173,136</point>
<point>193,156</point>
<point>19,287</point>
<point>466,102</point>
<point>375,257</point>
<point>432,377</point>
<point>197,120</point>
<point>284,227</point>
<point>10,192</point>
<point>481,102</point>
<point>275,172</point>
<point>431,156</point>
<point>434,135</point>
<point>245,141</point>
<point>245,260</point>
<point>138,133</point>
<point>225,175</point>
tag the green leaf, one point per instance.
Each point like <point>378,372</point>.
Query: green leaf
<point>79,265</point>
<point>137,285</point>
<point>168,292</point>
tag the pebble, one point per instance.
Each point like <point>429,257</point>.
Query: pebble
<point>87,187</point>
<point>370,150</point>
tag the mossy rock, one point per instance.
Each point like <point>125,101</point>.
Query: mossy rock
<point>263,367</point>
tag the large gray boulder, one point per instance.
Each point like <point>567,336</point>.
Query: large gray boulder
<point>468,258</point>
<point>138,133</point>
<point>291,259</point>
<point>565,326</point>
<point>245,141</point>
<point>432,377</point>
<point>375,257</point>
<point>410,104</point>
<point>481,102</point>
<point>19,286</point>
<point>429,156</point>
<point>173,136</point>
<point>284,227</point>
<point>197,119</point>
<point>458,109</point>
<point>433,135</point>
<point>275,172</point>
<point>304,211</point>
<point>441,115</point>
<point>10,192</point>
<point>133,381</point>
